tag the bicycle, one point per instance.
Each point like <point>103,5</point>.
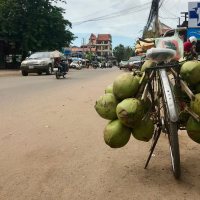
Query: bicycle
<point>164,109</point>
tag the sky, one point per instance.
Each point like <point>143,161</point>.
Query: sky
<point>123,19</point>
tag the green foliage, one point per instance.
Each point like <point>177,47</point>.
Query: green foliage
<point>34,24</point>
<point>88,56</point>
<point>122,53</point>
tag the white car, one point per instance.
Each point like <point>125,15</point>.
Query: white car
<point>76,64</point>
<point>37,63</point>
<point>135,62</point>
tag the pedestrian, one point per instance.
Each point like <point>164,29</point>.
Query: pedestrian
<point>190,48</point>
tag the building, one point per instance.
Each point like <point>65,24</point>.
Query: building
<point>104,45</point>
<point>100,45</point>
<point>92,40</point>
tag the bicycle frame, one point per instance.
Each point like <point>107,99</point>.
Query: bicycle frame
<point>166,87</point>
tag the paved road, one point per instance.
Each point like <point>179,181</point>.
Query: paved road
<point>52,146</point>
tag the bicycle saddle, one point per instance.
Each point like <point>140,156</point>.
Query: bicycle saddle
<point>160,54</point>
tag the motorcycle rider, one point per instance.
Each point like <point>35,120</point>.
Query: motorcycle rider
<point>190,48</point>
<point>59,63</point>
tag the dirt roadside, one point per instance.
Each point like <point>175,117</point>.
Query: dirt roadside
<point>5,73</point>
<point>54,150</point>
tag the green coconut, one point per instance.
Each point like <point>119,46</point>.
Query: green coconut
<point>195,104</point>
<point>144,130</point>
<point>190,72</point>
<point>125,86</point>
<point>130,111</point>
<point>106,106</point>
<point>193,130</point>
<point>109,89</point>
<point>116,135</point>
<point>138,77</point>
<point>147,64</point>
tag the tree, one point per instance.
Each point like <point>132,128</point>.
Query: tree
<point>34,25</point>
<point>122,53</point>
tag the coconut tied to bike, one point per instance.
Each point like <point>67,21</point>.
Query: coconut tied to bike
<point>190,74</point>
<point>127,112</point>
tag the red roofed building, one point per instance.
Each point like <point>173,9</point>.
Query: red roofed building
<point>92,39</point>
<point>104,45</point>
<point>100,45</point>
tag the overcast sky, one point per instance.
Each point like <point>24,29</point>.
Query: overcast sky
<point>123,19</point>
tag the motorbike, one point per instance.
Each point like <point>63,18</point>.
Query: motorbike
<point>62,70</point>
<point>60,73</point>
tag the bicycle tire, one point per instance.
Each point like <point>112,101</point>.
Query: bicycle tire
<point>171,127</point>
<point>174,149</point>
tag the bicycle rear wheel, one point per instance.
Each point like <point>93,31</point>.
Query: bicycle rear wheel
<point>170,117</point>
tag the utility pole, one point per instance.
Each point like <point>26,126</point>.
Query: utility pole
<point>185,15</point>
<point>185,22</point>
<point>83,45</point>
<point>153,17</point>
<point>156,22</point>
<point>179,22</point>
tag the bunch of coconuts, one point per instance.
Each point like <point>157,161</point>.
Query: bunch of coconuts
<point>127,113</point>
<point>190,73</point>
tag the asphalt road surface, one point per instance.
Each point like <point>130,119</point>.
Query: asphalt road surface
<point>52,147</point>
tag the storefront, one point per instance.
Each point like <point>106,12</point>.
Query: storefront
<point>194,21</point>
<point>2,54</point>
<point>9,55</point>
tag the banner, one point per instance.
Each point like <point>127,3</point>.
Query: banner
<point>193,14</point>
<point>193,32</point>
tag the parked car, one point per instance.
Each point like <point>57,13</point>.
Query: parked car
<point>38,62</point>
<point>123,64</point>
<point>135,62</point>
<point>76,64</point>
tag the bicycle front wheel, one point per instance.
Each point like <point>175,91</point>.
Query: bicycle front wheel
<point>174,148</point>
<point>170,117</point>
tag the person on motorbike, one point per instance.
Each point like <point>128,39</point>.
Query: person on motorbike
<point>59,63</point>
<point>190,48</point>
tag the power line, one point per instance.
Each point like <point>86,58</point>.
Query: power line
<point>169,12</point>
<point>168,17</point>
<point>103,10</point>
<point>115,14</point>
<point>161,4</point>
<point>152,15</point>
<point>111,14</point>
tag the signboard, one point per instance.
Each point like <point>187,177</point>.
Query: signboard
<point>193,32</point>
<point>66,51</point>
<point>194,14</point>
